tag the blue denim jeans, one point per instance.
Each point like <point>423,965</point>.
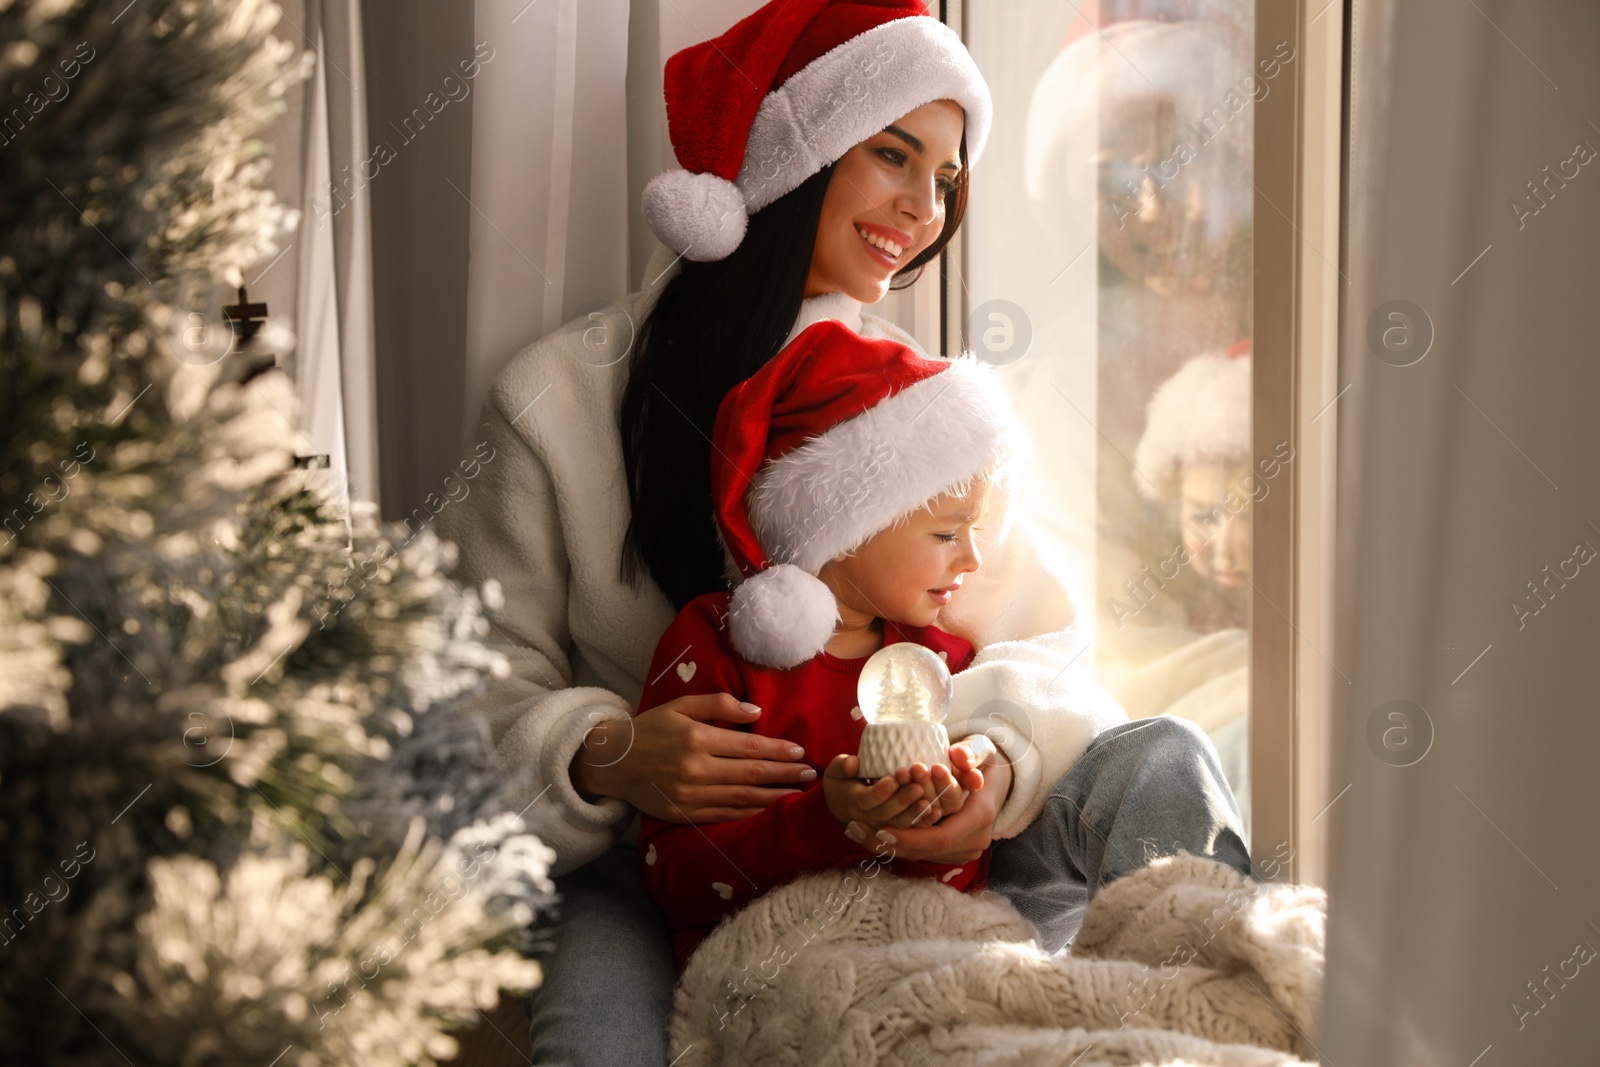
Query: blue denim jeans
<point>1143,789</point>
<point>608,973</point>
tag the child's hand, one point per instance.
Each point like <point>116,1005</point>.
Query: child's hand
<point>869,806</point>
<point>945,789</point>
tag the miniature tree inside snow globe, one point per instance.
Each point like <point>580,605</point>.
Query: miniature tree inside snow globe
<point>905,692</point>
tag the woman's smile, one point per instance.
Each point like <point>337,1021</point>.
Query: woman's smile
<point>883,244</point>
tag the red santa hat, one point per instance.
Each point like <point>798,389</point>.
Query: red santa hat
<point>789,89</point>
<point>833,440</point>
<point>1199,415</point>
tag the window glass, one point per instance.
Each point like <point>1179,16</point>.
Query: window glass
<point>1108,271</point>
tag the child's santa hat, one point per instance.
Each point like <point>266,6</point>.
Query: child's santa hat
<point>833,440</point>
<point>754,113</point>
<point>1199,415</point>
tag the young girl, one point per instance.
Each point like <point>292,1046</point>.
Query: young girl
<point>849,477</point>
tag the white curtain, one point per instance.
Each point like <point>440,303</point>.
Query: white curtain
<point>550,210</point>
<point>321,282</point>
<point>468,174</point>
<point>568,125</point>
<point>523,212</point>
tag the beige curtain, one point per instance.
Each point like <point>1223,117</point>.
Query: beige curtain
<point>1462,926</point>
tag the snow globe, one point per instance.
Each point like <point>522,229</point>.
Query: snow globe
<point>905,693</point>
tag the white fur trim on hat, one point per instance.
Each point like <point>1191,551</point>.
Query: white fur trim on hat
<point>700,215</point>
<point>856,478</point>
<point>853,91</point>
<point>781,617</point>
<point>1200,414</point>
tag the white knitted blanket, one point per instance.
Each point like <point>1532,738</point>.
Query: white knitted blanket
<point>1185,962</point>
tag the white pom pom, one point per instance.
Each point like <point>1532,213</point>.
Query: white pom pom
<point>781,617</point>
<point>701,215</point>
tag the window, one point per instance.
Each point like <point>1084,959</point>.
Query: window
<point>1107,267</point>
<point>1033,284</point>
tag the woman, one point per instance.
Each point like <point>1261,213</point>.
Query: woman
<point>825,151</point>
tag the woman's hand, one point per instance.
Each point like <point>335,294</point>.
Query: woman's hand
<point>962,836</point>
<point>669,762</point>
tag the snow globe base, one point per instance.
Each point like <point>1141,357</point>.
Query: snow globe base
<point>888,746</point>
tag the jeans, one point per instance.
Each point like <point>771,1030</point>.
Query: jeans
<point>608,974</point>
<point>1143,789</point>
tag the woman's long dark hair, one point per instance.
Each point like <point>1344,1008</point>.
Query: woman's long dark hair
<point>713,326</point>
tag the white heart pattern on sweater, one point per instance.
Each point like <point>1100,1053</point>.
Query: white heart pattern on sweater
<point>686,670</point>
<point>724,890</point>
<point>947,875</point>
<point>650,854</point>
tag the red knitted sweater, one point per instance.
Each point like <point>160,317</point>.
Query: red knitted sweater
<point>700,873</point>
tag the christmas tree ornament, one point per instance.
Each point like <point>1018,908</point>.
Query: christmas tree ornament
<point>244,318</point>
<point>259,339</point>
<point>905,692</point>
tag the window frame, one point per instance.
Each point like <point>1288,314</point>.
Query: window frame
<point>1298,207</point>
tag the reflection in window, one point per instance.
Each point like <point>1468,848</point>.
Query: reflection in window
<point>1115,210</point>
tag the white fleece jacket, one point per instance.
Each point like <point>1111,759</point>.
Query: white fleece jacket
<point>545,519</point>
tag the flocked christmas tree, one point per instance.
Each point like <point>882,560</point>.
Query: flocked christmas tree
<point>241,820</point>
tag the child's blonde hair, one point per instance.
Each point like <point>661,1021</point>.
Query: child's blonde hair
<point>992,475</point>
